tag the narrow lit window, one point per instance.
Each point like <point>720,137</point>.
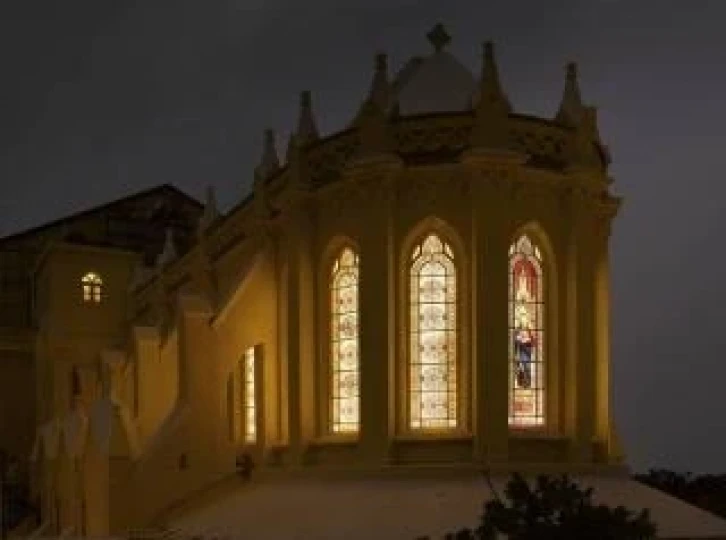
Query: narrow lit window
<point>91,285</point>
<point>249,399</point>
<point>526,335</point>
<point>433,336</point>
<point>345,367</point>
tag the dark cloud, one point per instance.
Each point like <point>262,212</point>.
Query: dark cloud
<point>103,98</point>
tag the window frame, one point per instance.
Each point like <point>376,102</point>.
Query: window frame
<point>462,359</point>
<point>547,332</point>
<point>92,288</point>
<point>331,395</point>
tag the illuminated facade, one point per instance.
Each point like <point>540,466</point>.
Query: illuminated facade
<point>429,285</point>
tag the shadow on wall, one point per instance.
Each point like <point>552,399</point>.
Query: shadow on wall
<point>16,505</point>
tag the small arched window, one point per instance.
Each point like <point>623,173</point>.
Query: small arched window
<point>526,335</point>
<point>92,285</point>
<point>433,336</point>
<point>344,346</point>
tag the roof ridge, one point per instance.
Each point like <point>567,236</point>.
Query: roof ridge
<point>99,208</point>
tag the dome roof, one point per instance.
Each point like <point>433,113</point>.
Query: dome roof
<point>437,83</point>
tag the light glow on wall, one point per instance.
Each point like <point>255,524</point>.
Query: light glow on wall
<point>345,371</point>
<point>433,352</point>
<point>526,335</point>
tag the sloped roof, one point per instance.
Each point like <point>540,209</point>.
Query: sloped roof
<point>163,188</point>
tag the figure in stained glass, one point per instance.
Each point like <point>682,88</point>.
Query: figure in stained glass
<point>526,403</point>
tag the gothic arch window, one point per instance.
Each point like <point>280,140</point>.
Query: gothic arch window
<point>526,335</point>
<point>91,286</point>
<point>344,344</point>
<point>249,389</point>
<point>433,336</point>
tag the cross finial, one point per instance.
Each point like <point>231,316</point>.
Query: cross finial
<point>438,37</point>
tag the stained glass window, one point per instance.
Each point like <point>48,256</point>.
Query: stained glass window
<point>526,335</point>
<point>433,348</point>
<point>250,391</point>
<point>345,371</point>
<point>91,285</point>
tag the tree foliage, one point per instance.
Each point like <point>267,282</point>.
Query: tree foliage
<point>555,508</point>
<point>706,491</point>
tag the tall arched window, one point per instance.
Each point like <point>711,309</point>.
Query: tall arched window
<point>249,381</point>
<point>344,344</point>
<point>526,335</point>
<point>433,335</point>
<point>91,285</point>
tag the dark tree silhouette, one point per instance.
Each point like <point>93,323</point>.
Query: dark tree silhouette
<point>706,491</point>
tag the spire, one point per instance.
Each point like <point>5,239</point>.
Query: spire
<point>585,149</point>
<point>492,108</point>
<point>291,149</point>
<point>269,162</point>
<point>168,253</point>
<point>296,164</point>
<point>306,129</point>
<point>372,121</point>
<point>490,88</point>
<point>210,213</point>
<point>380,89</point>
<point>571,107</point>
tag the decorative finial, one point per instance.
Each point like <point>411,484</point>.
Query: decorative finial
<point>210,213</point>
<point>438,37</point>
<point>488,53</point>
<point>491,107</point>
<point>306,129</point>
<point>378,94</point>
<point>571,70</point>
<point>290,149</point>
<point>490,88</point>
<point>571,107</point>
<point>269,163</point>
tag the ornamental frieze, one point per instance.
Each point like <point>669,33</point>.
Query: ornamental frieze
<point>442,137</point>
<point>427,191</point>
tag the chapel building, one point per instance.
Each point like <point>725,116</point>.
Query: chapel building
<point>425,290</point>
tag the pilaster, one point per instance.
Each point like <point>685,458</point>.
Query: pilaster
<point>377,308</point>
<point>493,171</point>
<point>608,444</point>
<point>580,370</point>
<point>198,360</point>
<point>300,316</point>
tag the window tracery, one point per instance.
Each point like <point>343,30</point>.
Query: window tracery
<point>250,392</point>
<point>433,336</point>
<point>345,366</point>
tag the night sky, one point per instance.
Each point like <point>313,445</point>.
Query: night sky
<point>101,99</point>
